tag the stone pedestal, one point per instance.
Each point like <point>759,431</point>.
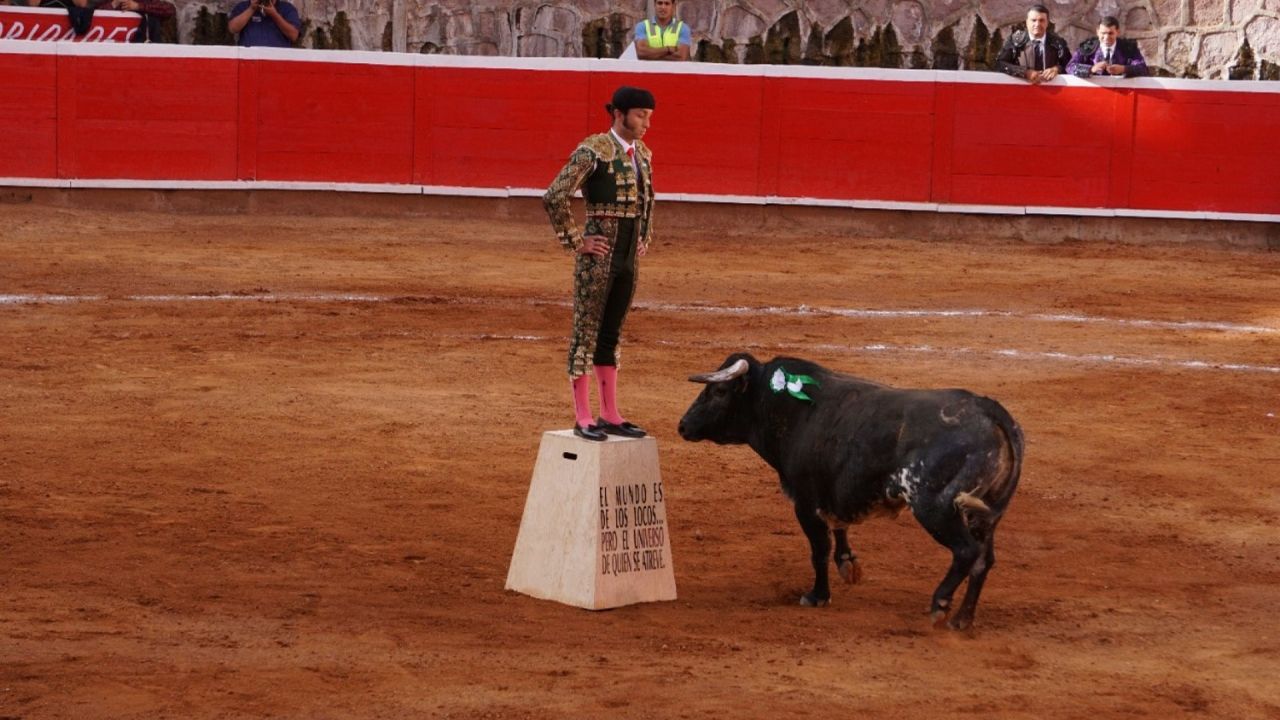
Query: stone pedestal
<point>594,532</point>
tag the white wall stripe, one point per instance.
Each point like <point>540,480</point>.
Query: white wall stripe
<point>985,209</point>
<point>34,182</point>
<point>1050,210</point>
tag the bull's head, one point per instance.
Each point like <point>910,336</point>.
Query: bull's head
<point>722,411</point>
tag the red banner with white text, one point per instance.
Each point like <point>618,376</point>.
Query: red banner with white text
<point>52,24</point>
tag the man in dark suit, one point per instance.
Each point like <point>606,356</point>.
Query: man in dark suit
<point>1108,54</point>
<point>1035,54</point>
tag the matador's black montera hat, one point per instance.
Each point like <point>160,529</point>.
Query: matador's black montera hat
<point>630,98</point>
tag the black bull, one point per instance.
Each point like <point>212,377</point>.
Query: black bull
<point>857,449</point>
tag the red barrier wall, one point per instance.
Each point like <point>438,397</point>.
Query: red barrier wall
<point>481,127</point>
<point>855,138</point>
<point>137,118</point>
<point>1210,150</point>
<point>839,135</point>
<point>329,121</point>
<point>709,133</point>
<point>29,115</point>
<point>1034,146</point>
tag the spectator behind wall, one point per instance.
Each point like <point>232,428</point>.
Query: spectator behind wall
<point>153,13</point>
<point>663,37</point>
<point>79,13</point>
<point>1108,54</point>
<point>265,23</point>
<point>1035,54</point>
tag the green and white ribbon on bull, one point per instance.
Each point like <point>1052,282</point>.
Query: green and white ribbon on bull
<point>792,384</point>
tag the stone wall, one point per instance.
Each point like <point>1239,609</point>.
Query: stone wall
<point>1184,38</point>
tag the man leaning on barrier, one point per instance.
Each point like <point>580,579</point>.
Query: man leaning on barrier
<point>79,13</point>
<point>153,12</point>
<point>1108,54</point>
<point>664,37</point>
<point>1034,54</point>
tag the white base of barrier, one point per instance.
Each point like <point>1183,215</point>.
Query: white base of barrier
<point>594,533</point>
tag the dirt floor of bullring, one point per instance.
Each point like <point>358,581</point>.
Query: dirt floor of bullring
<point>273,465</point>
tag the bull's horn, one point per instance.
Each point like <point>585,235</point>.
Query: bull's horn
<point>737,369</point>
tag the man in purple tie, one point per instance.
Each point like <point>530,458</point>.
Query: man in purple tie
<point>1108,54</point>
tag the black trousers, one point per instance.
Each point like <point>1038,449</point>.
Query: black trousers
<point>622,286</point>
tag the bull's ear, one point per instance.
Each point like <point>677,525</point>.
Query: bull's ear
<point>738,369</point>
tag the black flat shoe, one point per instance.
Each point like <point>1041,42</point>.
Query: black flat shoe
<point>590,432</point>
<point>622,429</point>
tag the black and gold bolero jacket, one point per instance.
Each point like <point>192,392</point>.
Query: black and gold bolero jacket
<point>609,184</point>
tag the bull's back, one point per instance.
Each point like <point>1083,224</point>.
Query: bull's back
<point>886,429</point>
<point>956,421</point>
<point>860,433</point>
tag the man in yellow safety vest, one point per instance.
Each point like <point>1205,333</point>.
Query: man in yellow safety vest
<point>663,38</point>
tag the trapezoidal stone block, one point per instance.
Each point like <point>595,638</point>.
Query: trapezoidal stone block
<point>594,532</point>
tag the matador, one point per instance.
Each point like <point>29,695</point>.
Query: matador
<point>614,172</point>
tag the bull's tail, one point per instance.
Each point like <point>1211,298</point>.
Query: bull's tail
<point>987,500</point>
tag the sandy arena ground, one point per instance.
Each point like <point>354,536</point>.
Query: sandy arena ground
<point>274,466</point>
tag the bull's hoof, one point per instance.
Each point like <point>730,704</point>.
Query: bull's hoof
<point>851,570</point>
<point>811,600</point>
<point>961,622</point>
<point>939,618</point>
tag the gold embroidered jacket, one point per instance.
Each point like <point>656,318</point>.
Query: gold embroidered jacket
<point>610,185</point>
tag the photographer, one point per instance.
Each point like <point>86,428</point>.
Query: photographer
<point>265,23</point>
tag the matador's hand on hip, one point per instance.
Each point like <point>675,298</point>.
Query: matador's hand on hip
<point>594,245</point>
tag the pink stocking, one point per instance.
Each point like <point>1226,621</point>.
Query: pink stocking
<point>582,401</point>
<point>607,381</point>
